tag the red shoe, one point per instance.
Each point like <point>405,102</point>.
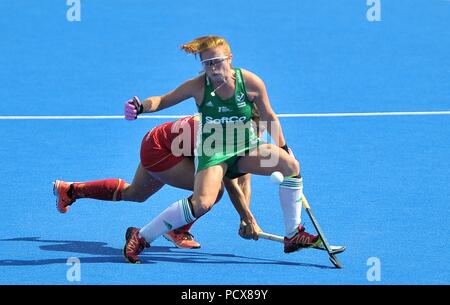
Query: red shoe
<point>63,201</point>
<point>182,239</point>
<point>134,245</point>
<point>301,239</point>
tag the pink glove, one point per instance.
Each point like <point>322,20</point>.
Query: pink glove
<point>133,107</point>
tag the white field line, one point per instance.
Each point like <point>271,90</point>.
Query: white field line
<point>284,115</point>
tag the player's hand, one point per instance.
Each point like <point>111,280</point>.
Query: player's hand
<point>133,107</point>
<point>249,231</point>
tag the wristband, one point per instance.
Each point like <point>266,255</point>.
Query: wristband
<point>138,105</point>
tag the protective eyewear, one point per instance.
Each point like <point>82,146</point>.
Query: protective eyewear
<point>210,62</point>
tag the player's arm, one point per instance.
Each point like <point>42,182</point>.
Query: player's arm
<point>244,183</point>
<point>181,93</point>
<point>248,227</point>
<point>257,92</point>
<point>134,107</point>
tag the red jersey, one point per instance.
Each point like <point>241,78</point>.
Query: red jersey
<point>169,143</point>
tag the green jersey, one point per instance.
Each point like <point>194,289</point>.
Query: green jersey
<point>226,130</point>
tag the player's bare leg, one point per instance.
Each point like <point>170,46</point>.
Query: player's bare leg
<point>268,158</point>
<point>181,176</point>
<point>207,186</point>
<point>143,186</point>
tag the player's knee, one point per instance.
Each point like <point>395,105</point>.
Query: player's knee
<point>199,211</point>
<point>201,206</point>
<point>129,193</point>
<point>203,209</point>
<point>291,168</point>
<point>140,199</point>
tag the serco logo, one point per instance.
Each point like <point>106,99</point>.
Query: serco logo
<point>224,120</point>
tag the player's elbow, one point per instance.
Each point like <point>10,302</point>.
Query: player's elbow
<point>269,116</point>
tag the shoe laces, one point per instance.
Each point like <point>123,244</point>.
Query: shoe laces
<point>302,236</point>
<point>186,235</point>
<point>135,244</point>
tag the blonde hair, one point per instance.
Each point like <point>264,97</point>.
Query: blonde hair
<point>203,43</point>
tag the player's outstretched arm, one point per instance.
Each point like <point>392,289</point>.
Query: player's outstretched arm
<point>134,106</point>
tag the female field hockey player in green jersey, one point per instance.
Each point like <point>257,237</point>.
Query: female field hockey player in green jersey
<point>224,96</point>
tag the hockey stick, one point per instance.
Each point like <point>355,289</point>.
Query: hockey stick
<point>327,246</point>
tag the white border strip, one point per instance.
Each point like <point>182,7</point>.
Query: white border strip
<point>85,117</point>
<point>288,115</point>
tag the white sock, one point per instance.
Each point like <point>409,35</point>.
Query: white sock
<point>176,215</point>
<point>291,193</point>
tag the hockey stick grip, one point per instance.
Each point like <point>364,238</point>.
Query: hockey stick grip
<point>305,202</point>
